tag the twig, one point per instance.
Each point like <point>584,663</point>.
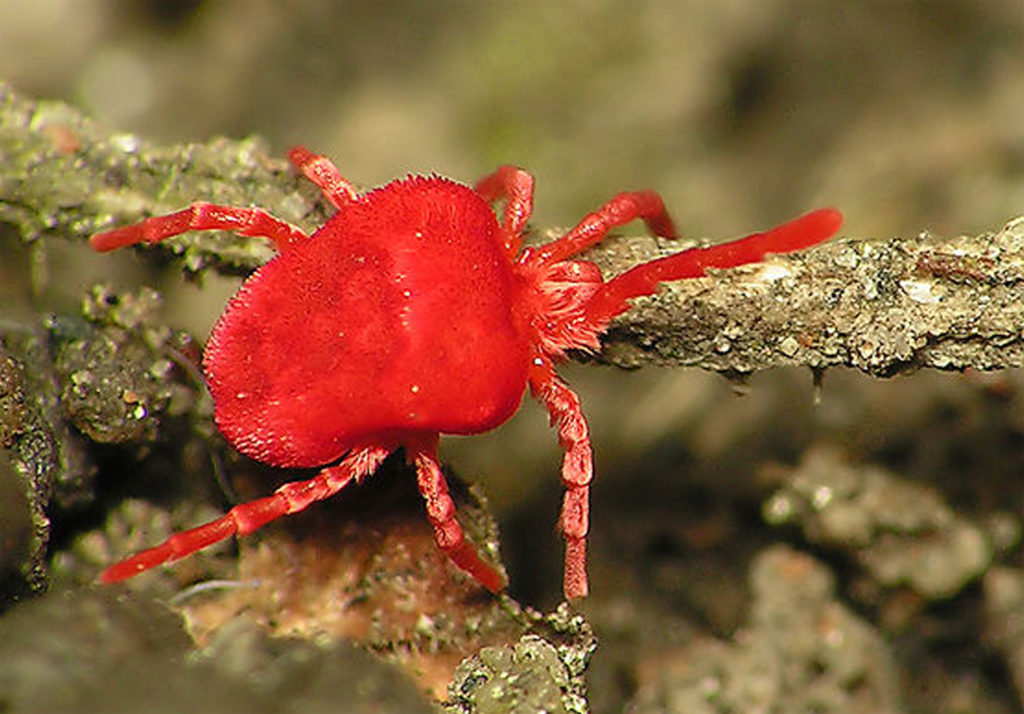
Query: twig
<point>882,306</point>
<point>63,174</point>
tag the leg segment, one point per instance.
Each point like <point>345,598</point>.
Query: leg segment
<point>577,471</point>
<point>322,171</point>
<point>441,512</point>
<point>201,217</point>
<point>622,209</point>
<point>247,517</point>
<point>803,232</point>
<point>515,187</point>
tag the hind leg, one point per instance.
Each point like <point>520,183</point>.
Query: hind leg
<point>441,512</point>
<point>322,171</point>
<point>201,217</point>
<point>244,518</point>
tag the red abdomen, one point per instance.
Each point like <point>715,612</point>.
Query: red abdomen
<point>395,317</point>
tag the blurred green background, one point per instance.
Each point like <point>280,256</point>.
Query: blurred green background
<point>742,112</point>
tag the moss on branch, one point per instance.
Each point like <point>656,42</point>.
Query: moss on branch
<point>881,306</point>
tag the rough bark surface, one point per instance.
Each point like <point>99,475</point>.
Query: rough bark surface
<point>883,306</point>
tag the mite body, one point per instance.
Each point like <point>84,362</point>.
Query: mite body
<point>414,312</point>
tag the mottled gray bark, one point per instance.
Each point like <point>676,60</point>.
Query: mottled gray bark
<point>883,306</point>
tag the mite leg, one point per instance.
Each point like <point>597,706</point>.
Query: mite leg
<point>577,470</point>
<point>247,517</point>
<point>515,187</point>
<point>441,513</point>
<point>803,232</point>
<point>201,217</point>
<point>322,171</point>
<point>622,209</point>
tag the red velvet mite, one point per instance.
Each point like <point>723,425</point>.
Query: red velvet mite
<point>414,312</point>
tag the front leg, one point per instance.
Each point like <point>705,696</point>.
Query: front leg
<point>577,470</point>
<point>613,297</point>
<point>620,210</point>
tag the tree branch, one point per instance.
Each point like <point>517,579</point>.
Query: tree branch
<point>63,174</point>
<point>883,307</point>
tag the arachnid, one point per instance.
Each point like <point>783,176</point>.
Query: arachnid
<point>414,312</point>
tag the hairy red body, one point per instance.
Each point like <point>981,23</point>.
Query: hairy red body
<point>413,312</point>
<point>348,319</point>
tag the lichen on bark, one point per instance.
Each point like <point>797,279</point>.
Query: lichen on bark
<point>883,306</point>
